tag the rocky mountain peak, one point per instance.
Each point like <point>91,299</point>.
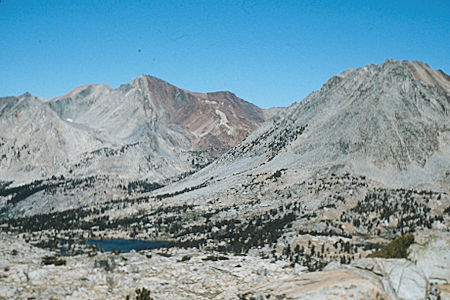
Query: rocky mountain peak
<point>387,121</point>
<point>216,119</point>
<point>150,83</point>
<point>26,95</point>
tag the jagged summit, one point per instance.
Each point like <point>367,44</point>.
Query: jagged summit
<point>26,94</point>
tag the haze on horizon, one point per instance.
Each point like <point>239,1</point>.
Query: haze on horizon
<point>270,53</point>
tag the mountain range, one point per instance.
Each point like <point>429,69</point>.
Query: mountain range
<point>145,129</point>
<point>317,186</point>
<point>386,122</point>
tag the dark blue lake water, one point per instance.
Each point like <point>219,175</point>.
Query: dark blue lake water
<point>124,245</point>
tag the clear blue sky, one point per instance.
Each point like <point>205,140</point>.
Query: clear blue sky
<point>271,53</point>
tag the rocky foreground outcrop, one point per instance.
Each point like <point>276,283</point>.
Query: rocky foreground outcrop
<point>28,272</point>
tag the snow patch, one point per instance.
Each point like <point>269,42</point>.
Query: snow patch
<point>224,121</point>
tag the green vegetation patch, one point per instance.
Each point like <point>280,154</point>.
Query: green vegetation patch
<point>141,294</point>
<point>398,248</point>
<point>215,258</point>
<point>53,260</point>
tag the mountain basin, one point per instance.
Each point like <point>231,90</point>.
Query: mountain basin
<point>124,245</point>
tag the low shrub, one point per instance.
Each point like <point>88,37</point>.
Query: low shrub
<point>215,258</point>
<point>185,258</point>
<point>53,260</point>
<point>141,294</point>
<point>398,248</point>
